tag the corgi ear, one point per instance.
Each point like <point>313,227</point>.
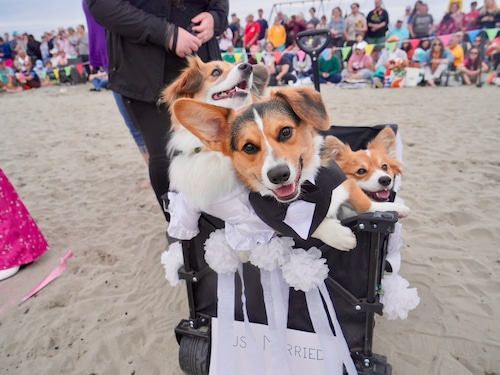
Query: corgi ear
<point>260,79</point>
<point>187,84</point>
<point>335,149</point>
<point>207,122</point>
<point>386,140</point>
<point>307,105</point>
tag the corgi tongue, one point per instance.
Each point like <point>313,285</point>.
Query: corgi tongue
<point>382,195</point>
<point>285,191</point>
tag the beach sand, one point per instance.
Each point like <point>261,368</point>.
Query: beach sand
<point>78,171</point>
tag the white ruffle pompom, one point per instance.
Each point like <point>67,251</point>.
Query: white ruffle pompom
<point>273,254</point>
<point>219,255</point>
<point>305,270</point>
<point>397,298</point>
<point>172,260</point>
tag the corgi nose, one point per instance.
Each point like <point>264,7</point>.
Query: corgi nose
<point>279,174</point>
<point>385,180</point>
<point>245,67</point>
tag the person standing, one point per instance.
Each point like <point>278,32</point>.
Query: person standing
<point>355,23</point>
<point>377,22</point>
<point>422,23</point>
<point>251,34</point>
<point>264,29</point>
<point>469,22</point>
<point>147,51</point>
<point>83,46</point>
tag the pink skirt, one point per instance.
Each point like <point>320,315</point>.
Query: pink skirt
<point>21,241</point>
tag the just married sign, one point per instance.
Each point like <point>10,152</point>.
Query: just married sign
<point>302,351</point>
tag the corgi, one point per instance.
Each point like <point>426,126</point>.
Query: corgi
<point>275,147</point>
<point>373,169</point>
<point>218,83</point>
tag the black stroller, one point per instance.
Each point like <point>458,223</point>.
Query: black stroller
<point>353,283</point>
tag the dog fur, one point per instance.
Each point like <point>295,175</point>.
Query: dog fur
<point>219,83</point>
<point>373,169</point>
<point>274,147</point>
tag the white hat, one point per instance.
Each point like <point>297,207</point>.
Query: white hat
<point>54,51</point>
<point>361,45</point>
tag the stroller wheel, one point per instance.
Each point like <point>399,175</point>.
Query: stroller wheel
<point>194,355</point>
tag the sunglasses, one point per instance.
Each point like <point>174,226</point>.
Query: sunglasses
<point>473,53</point>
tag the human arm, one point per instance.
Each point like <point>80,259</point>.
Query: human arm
<point>122,18</point>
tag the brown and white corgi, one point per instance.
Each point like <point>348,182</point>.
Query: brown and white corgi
<point>275,147</point>
<point>198,173</point>
<point>374,169</point>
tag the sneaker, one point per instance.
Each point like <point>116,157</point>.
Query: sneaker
<point>377,83</point>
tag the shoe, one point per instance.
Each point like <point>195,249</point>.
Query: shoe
<point>94,89</point>
<point>5,274</point>
<point>377,83</point>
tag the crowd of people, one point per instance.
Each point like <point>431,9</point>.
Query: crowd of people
<point>358,43</point>
<point>27,63</point>
<point>367,48</point>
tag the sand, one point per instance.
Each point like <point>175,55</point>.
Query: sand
<point>77,169</point>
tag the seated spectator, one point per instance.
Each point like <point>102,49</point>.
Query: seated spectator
<point>99,80</point>
<point>419,54</point>
<point>337,27</point>
<point>41,71</point>
<point>281,72</point>
<point>277,35</point>
<point>472,67</point>
<point>225,40</point>
<point>493,52</point>
<point>58,58</point>
<point>7,78</point>
<point>360,65</point>
<point>27,77</point>
<point>456,50</point>
<point>302,64</point>
<point>252,56</point>
<point>408,48</point>
<point>50,73</point>
<point>389,60</point>
<point>268,55</point>
<point>229,55</point>
<point>436,61</point>
<point>323,24</point>
<point>329,68</point>
<point>447,26</point>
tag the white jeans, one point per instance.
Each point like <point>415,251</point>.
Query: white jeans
<point>429,74</point>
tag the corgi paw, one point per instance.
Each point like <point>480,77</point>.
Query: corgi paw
<point>402,210</point>
<point>334,234</point>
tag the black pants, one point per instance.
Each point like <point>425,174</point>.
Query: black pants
<point>153,122</point>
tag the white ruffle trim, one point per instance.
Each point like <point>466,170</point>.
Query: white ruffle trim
<point>305,270</point>
<point>273,254</point>
<point>397,298</point>
<point>219,255</point>
<point>172,260</point>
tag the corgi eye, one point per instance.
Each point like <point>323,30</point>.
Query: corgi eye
<point>250,148</point>
<point>384,167</point>
<point>361,171</point>
<point>216,72</point>
<point>285,134</point>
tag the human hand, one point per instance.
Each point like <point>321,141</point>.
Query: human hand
<point>205,25</point>
<point>187,43</point>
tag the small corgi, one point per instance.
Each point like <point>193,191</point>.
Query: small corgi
<point>373,169</point>
<point>275,147</point>
<point>219,83</point>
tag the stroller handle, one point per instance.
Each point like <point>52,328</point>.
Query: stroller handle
<point>308,41</point>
